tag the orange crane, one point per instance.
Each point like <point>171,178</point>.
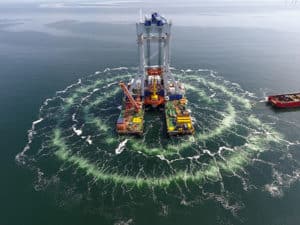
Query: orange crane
<point>129,96</point>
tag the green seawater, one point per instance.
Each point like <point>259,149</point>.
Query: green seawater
<point>63,163</point>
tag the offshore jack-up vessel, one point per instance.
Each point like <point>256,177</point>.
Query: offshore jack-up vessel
<point>154,85</point>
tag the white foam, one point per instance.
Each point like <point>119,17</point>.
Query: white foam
<point>89,95</point>
<point>194,157</point>
<point>161,157</point>
<point>68,87</point>
<point>213,95</point>
<point>281,181</point>
<point>121,222</point>
<point>20,156</point>
<point>227,203</point>
<point>47,100</point>
<point>37,121</point>
<point>88,140</point>
<point>110,84</point>
<point>274,190</point>
<point>121,147</point>
<point>235,84</point>
<point>208,152</point>
<point>77,131</point>
<point>264,100</point>
<point>74,117</point>
<point>120,68</point>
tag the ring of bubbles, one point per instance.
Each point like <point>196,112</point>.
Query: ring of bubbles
<point>76,132</point>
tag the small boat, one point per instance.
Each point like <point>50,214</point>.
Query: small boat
<point>285,100</point>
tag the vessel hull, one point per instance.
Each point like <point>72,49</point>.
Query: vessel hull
<point>285,100</point>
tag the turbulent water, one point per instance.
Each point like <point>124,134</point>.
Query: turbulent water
<point>74,151</point>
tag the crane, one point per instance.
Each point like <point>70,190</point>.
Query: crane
<point>154,95</point>
<point>129,96</point>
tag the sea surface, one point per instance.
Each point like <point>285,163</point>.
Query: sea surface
<point>61,159</point>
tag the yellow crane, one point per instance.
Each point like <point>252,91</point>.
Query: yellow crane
<point>154,95</point>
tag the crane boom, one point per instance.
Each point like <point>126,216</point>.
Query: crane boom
<point>129,96</point>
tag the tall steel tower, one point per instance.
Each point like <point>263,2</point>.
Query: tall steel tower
<point>153,38</point>
<point>154,84</point>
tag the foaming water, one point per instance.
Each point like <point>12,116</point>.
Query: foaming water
<point>74,141</point>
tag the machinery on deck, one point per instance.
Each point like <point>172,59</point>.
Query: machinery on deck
<point>154,85</point>
<point>132,101</point>
<point>285,100</point>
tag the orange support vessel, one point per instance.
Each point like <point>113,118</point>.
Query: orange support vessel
<point>285,100</point>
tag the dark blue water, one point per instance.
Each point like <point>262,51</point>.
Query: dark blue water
<point>244,52</point>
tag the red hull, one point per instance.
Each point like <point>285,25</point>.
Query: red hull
<point>285,100</point>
